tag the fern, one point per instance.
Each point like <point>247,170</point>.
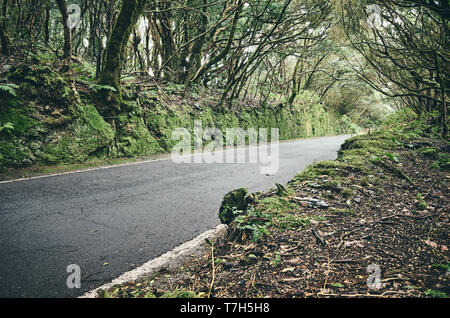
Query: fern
<point>7,127</point>
<point>96,87</point>
<point>9,88</point>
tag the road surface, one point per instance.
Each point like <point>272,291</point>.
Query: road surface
<point>109,221</point>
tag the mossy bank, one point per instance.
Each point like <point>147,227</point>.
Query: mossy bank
<point>48,118</point>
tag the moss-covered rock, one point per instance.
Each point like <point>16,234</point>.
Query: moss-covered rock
<point>233,203</point>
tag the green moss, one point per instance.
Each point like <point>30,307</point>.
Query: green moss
<point>313,121</point>
<point>133,137</point>
<point>13,153</point>
<point>276,205</point>
<point>429,152</point>
<point>234,203</point>
<point>421,204</point>
<point>334,185</point>
<point>182,293</point>
<point>290,221</point>
<point>335,169</point>
<point>347,193</point>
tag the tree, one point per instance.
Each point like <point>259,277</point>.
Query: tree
<point>4,38</point>
<point>406,44</point>
<point>67,50</point>
<point>115,54</point>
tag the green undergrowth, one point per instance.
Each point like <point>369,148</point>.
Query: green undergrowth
<point>272,213</point>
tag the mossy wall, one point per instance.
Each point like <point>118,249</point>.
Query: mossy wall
<point>306,118</point>
<point>55,121</point>
<point>50,123</point>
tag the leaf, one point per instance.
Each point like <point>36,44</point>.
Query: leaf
<point>7,126</point>
<point>436,293</point>
<point>9,88</point>
<point>430,243</point>
<point>337,285</point>
<point>392,157</point>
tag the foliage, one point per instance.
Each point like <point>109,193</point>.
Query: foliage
<point>254,221</point>
<point>403,49</point>
<point>96,87</point>
<point>7,127</point>
<point>9,88</point>
<point>435,293</point>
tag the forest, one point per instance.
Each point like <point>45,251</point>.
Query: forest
<point>92,83</point>
<point>354,60</point>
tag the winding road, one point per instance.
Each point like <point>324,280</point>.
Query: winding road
<point>109,221</point>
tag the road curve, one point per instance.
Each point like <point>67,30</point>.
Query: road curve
<point>109,221</point>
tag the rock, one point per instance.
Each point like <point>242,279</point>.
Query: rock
<point>322,204</point>
<point>236,200</point>
<point>312,202</point>
<point>357,200</point>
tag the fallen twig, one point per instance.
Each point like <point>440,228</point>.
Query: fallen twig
<point>320,238</point>
<point>213,267</point>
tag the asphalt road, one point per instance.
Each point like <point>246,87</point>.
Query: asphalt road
<point>122,216</point>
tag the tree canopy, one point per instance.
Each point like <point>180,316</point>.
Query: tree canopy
<point>353,54</point>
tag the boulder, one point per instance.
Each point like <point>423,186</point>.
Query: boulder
<point>236,200</point>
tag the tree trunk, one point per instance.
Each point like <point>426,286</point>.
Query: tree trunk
<point>67,51</point>
<point>115,54</point>
<point>6,44</point>
<point>4,38</point>
<point>46,25</point>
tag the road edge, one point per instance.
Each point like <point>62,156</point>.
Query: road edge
<point>132,161</point>
<point>169,260</point>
